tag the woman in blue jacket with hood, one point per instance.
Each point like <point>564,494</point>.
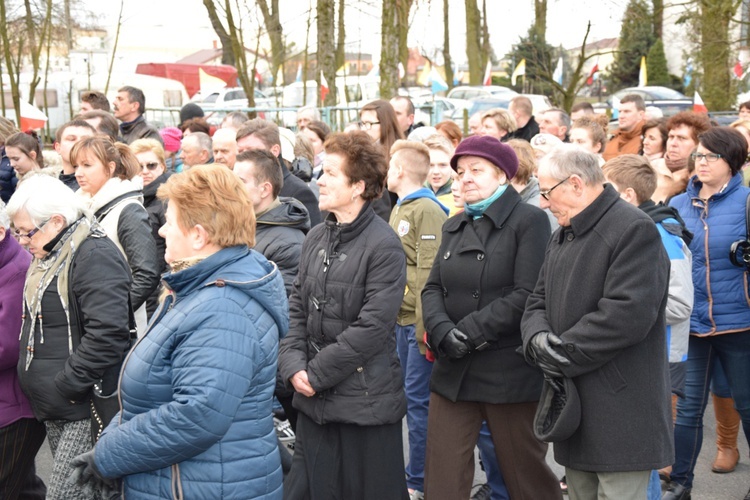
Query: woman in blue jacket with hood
<point>196,390</point>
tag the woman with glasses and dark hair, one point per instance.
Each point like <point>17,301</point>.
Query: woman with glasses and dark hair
<point>105,173</point>
<point>486,268</point>
<point>151,156</point>
<point>75,329</point>
<point>378,120</point>
<point>714,209</point>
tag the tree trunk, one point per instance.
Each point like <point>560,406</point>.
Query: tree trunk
<point>341,37</point>
<point>238,50</point>
<point>326,49</point>
<point>389,50</point>
<point>403,7</point>
<point>227,54</point>
<point>658,18</point>
<point>34,49</point>
<point>272,20</point>
<point>717,86</point>
<point>485,36</point>
<point>540,20</point>
<point>473,46</point>
<point>447,46</point>
<point>10,65</point>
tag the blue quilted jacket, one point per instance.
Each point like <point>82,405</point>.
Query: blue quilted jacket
<point>722,303</point>
<point>196,390</point>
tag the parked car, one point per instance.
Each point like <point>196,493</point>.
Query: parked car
<point>468,92</point>
<point>668,100</point>
<point>230,97</point>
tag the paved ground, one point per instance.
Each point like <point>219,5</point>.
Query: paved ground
<point>708,486</point>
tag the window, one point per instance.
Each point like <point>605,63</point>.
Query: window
<point>51,98</point>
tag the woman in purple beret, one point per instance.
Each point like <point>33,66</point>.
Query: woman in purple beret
<point>487,266</point>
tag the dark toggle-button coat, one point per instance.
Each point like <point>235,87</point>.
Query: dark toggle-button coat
<point>483,273</point>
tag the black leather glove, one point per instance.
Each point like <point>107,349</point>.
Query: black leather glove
<point>87,475</point>
<point>543,350</point>
<point>456,344</point>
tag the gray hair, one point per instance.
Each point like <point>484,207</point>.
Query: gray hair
<point>4,218</point>
<point>315,112</point>
<point>204,140</point>
<point>42,196</point>
<point>568,159</point>
<point>563,119</point>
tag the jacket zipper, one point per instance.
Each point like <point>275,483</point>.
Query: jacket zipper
<point>177,493</point>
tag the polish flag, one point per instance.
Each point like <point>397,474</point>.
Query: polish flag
<point>488,74</point>
<point>594,70</point>
<point>323,88</point>
<point>698,105</point>
<point>738,70</point>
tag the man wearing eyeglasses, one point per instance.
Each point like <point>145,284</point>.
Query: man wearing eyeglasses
<point>673,171</point>
<point>597,319</point>
<point>65,138</point>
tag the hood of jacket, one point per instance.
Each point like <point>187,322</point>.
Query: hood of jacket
<point>669,217</point>
<point>240,268</point>
<point>111,190</point>
<point>289,213</point>
<point>424,193</point>
<point>531,191</point>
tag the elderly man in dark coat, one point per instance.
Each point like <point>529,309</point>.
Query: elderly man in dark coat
<point>596,317</point>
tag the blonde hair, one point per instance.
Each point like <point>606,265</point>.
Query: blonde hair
<point>526,160</point>
<point>149,146</point>
<point>215,198</point>
<point>503,119</point>
<point>104,150</point>
<point>440,143</point>
<point>413,157</point>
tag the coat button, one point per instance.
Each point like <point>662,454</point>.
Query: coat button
<point>445,292</point>
<point>480,256</point>
<point>475,294</point>
<point>570,237</point>
<point>570,348</point>
<point>220,283</point>
<point>447,254</point>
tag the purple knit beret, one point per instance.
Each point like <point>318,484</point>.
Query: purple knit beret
<point>491,149</point>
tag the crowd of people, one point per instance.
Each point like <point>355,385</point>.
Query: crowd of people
<point>178,305</point>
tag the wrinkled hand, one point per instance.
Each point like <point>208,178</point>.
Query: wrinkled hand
<point>547,359</point>
<point>302,384</point>
<point>86,474</point>
<point>456,344</point>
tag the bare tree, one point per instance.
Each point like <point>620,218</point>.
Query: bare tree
<point>10,64</point>
<point>447,46</point>
<point>718,86</point>
<point>389,49</point>
<point>341,37</point>
<point>272,20</point>
<point>473,45</point>
<point>114,48</point>
<point>326,49</point>
<point>227,54</point>
<point>403,8</point>
<point>540,20</point>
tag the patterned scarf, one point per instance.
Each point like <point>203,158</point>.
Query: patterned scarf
<point>41,273</point>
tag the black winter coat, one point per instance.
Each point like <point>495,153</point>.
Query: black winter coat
<point>279,234</point>
<point>56,383</point>
<point>156,217</point>
<point>8,179</point>
<point>479,282</point>
<point>603,290</point>
<point>343,311</point>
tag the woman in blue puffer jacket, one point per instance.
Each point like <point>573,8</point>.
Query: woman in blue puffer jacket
<point>196,390</point>
<point>714,209</point>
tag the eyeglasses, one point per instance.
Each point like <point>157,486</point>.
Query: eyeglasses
<point>19,235</point>
<point>367,125</point>
<point>152,165</point>
<point>710,157</point>
<point>545,194</point>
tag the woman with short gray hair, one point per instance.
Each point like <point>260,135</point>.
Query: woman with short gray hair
<point>74,331</point>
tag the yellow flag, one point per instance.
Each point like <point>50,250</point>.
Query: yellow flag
<point>424,76</point>
<point>519,71</point>
<point>208,82</point>
<point>643,75</point>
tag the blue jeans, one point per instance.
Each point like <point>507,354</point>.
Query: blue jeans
<point>733,350</point>
<point>654,486</point>
<point>719,382</point>
<point>491,467</point>
<point>417,371</point>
